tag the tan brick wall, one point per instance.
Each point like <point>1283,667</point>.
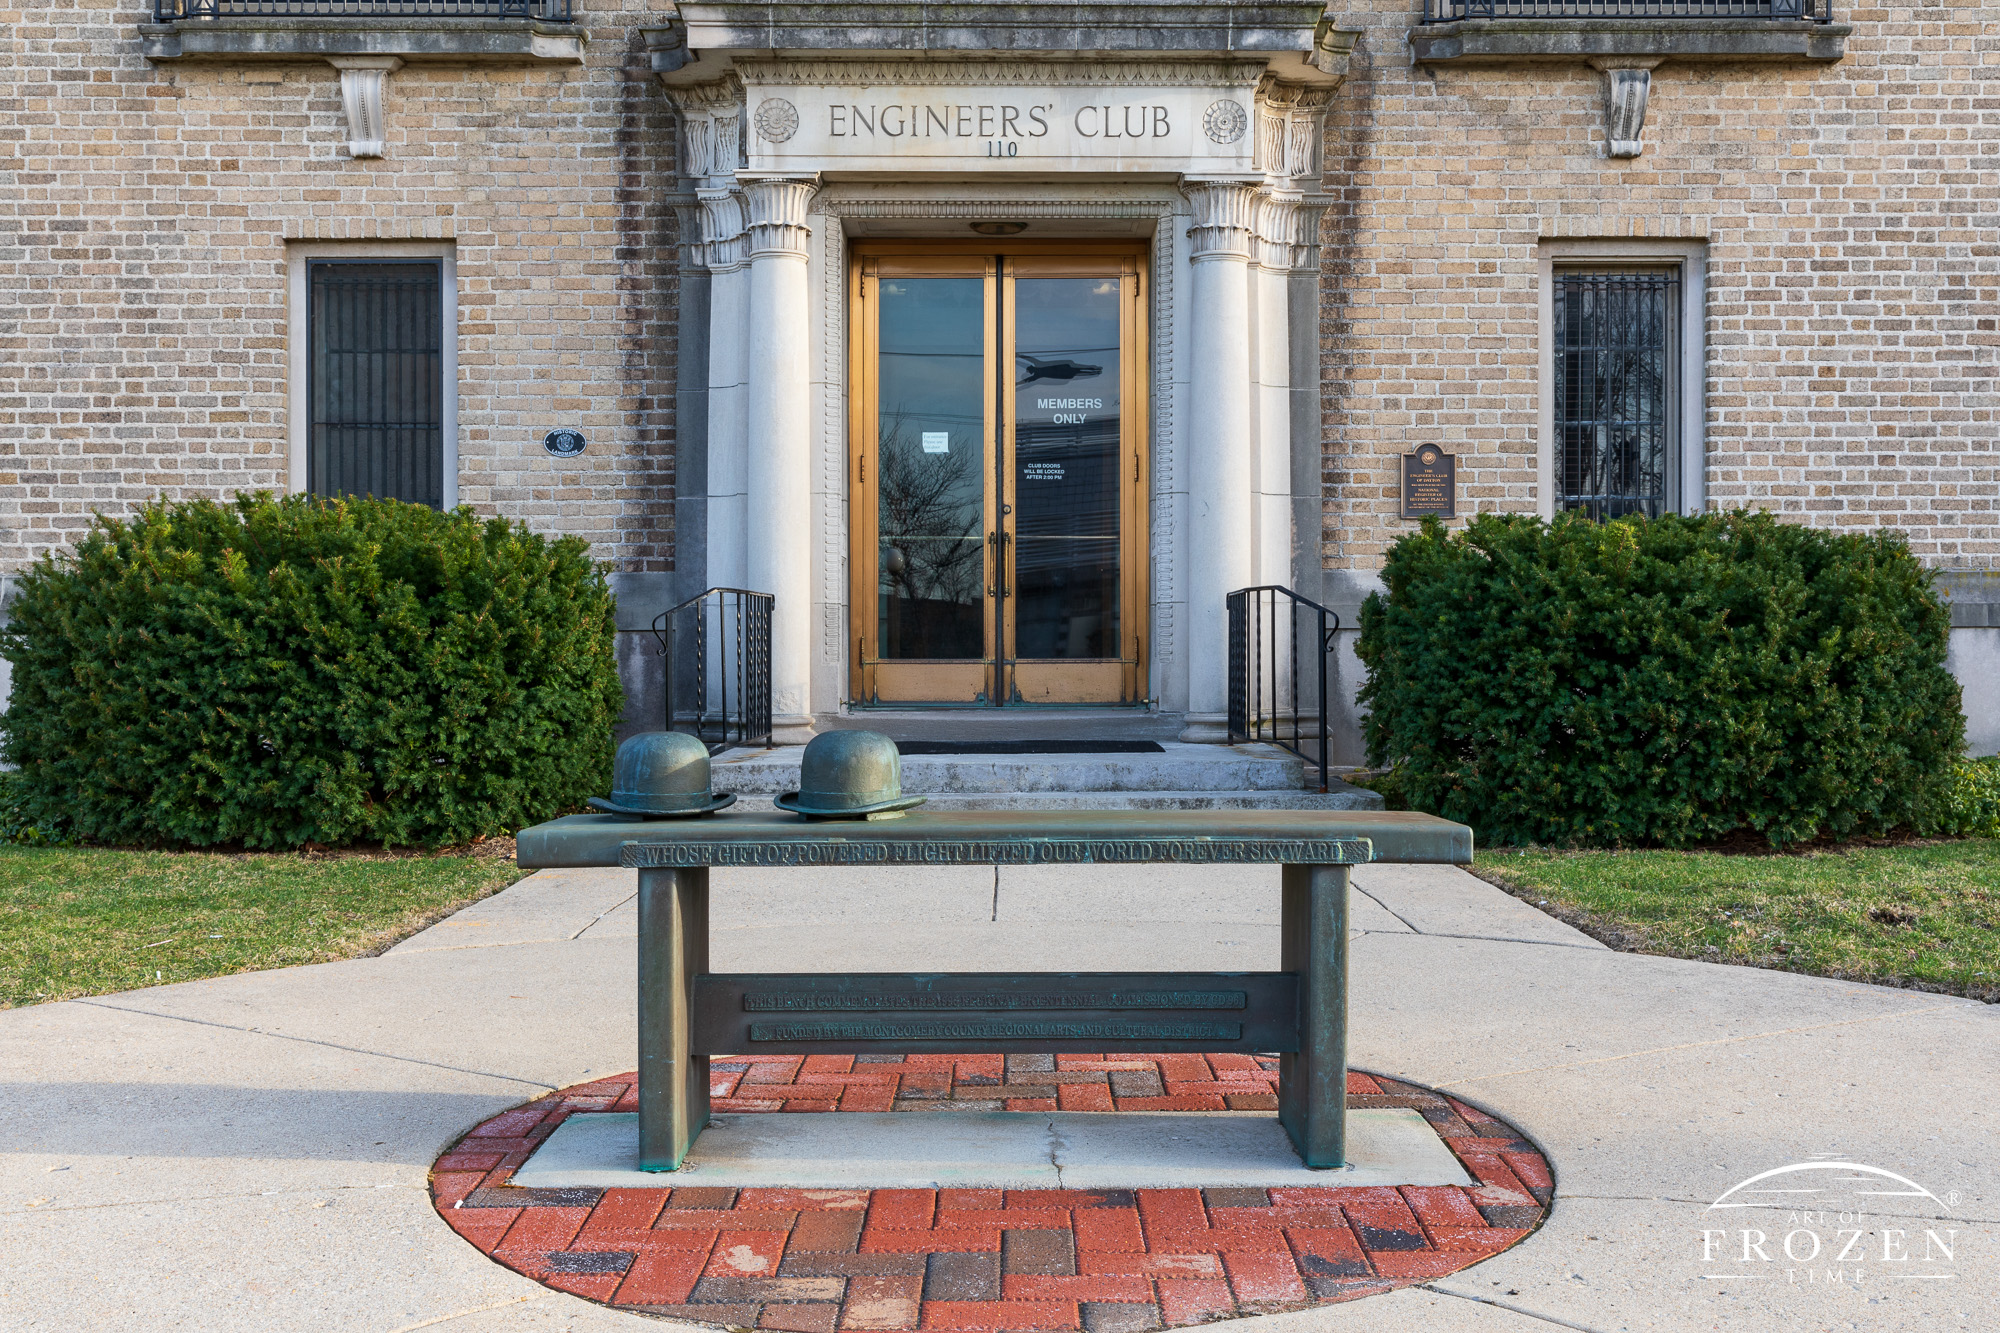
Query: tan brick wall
<point>144,215</point>
<point>1851,215</point>
<point>1852,219</point>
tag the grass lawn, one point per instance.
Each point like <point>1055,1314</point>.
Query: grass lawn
<point>84,921</point>
<point>1923,915</point>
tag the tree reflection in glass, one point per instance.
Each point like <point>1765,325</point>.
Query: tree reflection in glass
<point>931,487</point>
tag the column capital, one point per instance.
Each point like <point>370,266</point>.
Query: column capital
<point>1306,219</point>
<point>776,213</point>
<point>711,122</point>
<point>1277,230</point>
<point>1290,117</point>
<point>722,228</point>
<point>1225,218</point>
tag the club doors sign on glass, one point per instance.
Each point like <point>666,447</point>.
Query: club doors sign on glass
<point>1429,483</point>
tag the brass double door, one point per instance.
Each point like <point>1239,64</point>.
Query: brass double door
<point>998,474</point>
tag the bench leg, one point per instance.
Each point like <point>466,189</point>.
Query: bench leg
<point>1312,1085</point>
<point>673,951</point>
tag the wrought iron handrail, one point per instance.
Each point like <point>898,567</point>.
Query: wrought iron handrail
<point>1795,11</point>
<point>547,11</point>
<point>1281,649</point>
<point>717,646</point>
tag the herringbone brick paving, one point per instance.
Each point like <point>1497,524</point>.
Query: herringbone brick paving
<point>987,1261</point>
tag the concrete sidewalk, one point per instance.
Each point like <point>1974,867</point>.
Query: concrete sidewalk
<point>250,1153</point>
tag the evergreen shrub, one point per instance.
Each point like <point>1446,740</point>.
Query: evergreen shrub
<point>1661,682</point>
<point>278,672</point>
<point>1973,807</point>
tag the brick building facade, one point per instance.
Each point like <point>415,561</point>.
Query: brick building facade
<point>1822,198</point>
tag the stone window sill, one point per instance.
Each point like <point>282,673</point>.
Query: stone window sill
<point>440,40</point>
<point>1716,41</point>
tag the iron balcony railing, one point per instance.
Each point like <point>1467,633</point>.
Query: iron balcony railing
<point>718,677</point>
<point>1795,11</point>
<point>1281,672</point>
<point>548,11</point>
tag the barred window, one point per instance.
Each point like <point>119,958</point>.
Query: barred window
<point>376,380</point>
<point>1617,391</point>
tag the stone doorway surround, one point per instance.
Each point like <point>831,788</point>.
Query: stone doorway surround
<point>787,154</point>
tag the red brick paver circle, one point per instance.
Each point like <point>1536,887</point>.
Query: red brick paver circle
<point>1106,1261</point>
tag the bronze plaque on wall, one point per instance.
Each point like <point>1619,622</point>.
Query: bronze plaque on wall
<point>1429,483</point>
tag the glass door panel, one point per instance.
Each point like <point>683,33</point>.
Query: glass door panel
<point>931,492</point>
<point>997,498</point>
<point>1066,483</point>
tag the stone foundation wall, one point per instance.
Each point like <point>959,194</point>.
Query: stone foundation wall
<point>1850,216</point>
<point>145,212</point>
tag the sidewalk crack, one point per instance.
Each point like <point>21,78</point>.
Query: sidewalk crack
<point>1385,907</point>
<point>1562,1197</point>
<point>607,912</point>
<point>1508,1305</point>
<point>314,1041</point>
<point>1056,1146</point>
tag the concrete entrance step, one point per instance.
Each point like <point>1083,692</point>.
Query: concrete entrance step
<point>1181,777</point>
<point>1179,767</point>
<point>1341,797</point>
<point>1000,724</point>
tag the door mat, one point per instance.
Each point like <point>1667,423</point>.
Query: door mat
<point>1030,747</point>
<point>1103,1260</point>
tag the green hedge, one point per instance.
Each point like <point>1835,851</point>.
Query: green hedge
<point>272,673</point>
<point>1974,799</point>
<point>1665,682</point>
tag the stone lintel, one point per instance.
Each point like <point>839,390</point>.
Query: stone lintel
<point>1298,38</point>
<point>1517,41</point>
<point>304,40</point>
<point>1002,25</point>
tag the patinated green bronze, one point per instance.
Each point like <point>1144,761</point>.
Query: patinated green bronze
<point>1012,837</point>
<point>661,775</point>
<point>849,775</point>
<point>687,1013</point>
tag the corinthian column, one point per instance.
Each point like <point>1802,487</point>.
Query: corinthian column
<point>777,420</point>
<point>1271,277</point>
<point>1221,471</point>
<point>723,242</point>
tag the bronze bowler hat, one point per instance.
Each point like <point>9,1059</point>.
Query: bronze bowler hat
<point>849,775</point>
<point>661,775</point>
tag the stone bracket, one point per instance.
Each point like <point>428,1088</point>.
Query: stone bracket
<point>361,80</point>
<point>1626,51</point>
<point>1627,85</point>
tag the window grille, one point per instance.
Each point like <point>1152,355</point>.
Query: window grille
<point>377,390</point>
<point>1617,369</point>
